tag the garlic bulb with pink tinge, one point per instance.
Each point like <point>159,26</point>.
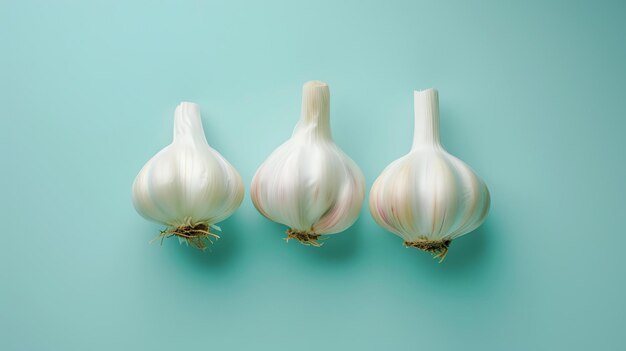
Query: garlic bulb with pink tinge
<point>308,183</point>
<point>429,197</point>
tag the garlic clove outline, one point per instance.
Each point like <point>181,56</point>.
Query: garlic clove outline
<point>308,183</point>
<point>429,197</point>
<point>188,186</point>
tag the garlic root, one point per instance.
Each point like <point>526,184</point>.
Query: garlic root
<point>439,248</point>
<point>304,237</point>
<point>196,235</point>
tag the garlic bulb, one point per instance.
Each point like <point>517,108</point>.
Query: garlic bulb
<point>429,197</point>
<point>188,186</point>
<point>308,183</point>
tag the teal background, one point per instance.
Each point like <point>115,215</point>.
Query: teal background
<point>531,97</point>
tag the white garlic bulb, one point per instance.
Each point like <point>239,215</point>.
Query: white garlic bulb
<point>429,197</point>
<point>308,183</point>
<point>188,186</point>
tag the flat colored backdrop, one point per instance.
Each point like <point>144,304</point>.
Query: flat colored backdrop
<point>532,97</point>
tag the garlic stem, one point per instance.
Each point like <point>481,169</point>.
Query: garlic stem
<point>315,115</point>
<point>426,106</point>
<point>187,123</point>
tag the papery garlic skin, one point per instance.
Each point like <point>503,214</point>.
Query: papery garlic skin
<point>308,183</point>
<point>188,184</point>
<point>429,197</point>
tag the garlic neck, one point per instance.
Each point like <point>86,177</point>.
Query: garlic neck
<point>315,116</point>
<point>426,105</point>
<point>188,123</point>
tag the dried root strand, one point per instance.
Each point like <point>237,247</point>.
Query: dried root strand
<point>197,235</point>
<point>304,237</point>
<point>439,248</point>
